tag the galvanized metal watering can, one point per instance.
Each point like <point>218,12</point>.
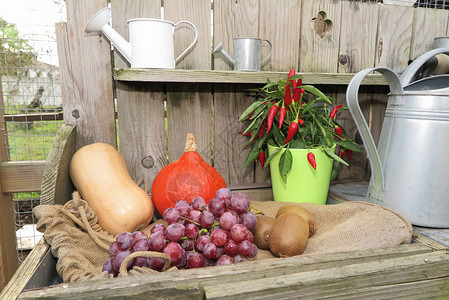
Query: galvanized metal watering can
<point>246,53</point>
<point>410,167</point>
<point>150,40</point>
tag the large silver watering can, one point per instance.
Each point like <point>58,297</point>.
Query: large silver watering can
<point>410,167</point>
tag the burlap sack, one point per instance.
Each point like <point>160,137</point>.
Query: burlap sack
<point>82,246</point>
<point>348,226</point>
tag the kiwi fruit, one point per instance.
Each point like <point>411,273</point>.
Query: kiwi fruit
<point>289,235</point>
<point>262,230</point>
<point>304,213</point>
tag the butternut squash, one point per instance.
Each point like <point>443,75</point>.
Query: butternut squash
<point>99,173</point>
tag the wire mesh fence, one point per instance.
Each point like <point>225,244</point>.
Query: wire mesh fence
<point>30,95</point>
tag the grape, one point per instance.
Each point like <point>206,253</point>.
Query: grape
<point>231,248</point>
<point>193,216</point>
<point>240,203</point>
<point>156,242</point>
<point>219,253</point>
<point>245,248</point>
<point>187,244</point>
<point>225,260</point>
<point>219,237</point>
<point>191,230</point>
<point>196,260</point>
<point>114,248</point>
<point>159,227</point>
<point>238,258</point>
<point>107,266</point>
<point>209,262</point>
<point>248,219</point>
<point>125,240</point>
<point>217,206</point>
<point>210,250</point>
<point>228,219</point>
<point>171,215</point>
<point>175,232</point>
<point>198,203</point>
<point>201,241</point>
<point>155,263</point>
<point>119,258</point>
<point>141,245</point>
<point>175,252</point>
<point>254,251</point>
<point>182,262</point>
<point>239,232</point>
<point>139,235</point>
<point>206,219</point>
<point>139,262</point>
<point>183,207</point>
<point>224,194</point>
<point>249,236</point>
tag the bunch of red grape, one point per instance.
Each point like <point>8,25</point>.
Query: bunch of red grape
<point>197,235</point>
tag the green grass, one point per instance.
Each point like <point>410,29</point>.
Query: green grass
<point>31,141</point>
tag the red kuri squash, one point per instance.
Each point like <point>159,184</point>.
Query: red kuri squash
<point>186,178</point>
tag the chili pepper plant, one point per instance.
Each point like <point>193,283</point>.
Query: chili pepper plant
<point>291,115</point>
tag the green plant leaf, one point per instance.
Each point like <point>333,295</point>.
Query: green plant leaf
<point>278,136</point>
<point>250,109</point>
<point>316,92</point>
<point>297,144</point>
<point>334,156</point>
<point>273,155</point>
<point>349,145</point>
<point>252,155</point>
<point>285,164</point>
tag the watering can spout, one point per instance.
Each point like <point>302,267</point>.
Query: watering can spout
<point>99,24</point>
<point>219,49</point>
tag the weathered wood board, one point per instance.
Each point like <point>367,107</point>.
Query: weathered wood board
<point>85,65</point>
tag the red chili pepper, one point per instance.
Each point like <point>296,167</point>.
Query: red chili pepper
<point>348,154</point>
<point>341,153</point>
<point>288,95</point>
<point>299,82</point>
<point>262,128</point>
<point>291,73</point>
<point>334,111</point>
<point>270,117</point>
<point>300,121</point>
<point>250,115</point>
<point>246,134</point>
<point>297,93</point>
<point>311,159</point>
<point>262,158</point>
<point>282,113</point>
<point>292,129</point>
<point>339,131</point>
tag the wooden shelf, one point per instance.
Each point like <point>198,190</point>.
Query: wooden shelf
<point>213,76</point>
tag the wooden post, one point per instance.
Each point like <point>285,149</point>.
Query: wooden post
<point>8,253</point>
<point>86,80</point>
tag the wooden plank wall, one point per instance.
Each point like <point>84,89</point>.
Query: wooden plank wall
<point>308,35</point>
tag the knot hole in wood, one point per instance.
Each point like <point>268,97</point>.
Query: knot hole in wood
<point>147,162</point>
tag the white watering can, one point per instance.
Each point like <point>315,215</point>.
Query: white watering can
<point>410,167</point>
<point>150,40</point>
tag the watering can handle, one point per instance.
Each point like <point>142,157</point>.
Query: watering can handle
<point>354,107</point>
<point>411,70</point>
<point>194,39</point>
<point>269,54</point>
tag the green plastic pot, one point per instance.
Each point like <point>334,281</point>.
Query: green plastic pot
<point>304,184</point>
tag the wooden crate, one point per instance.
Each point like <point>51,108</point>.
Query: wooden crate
<point>156,108</point>
<point>415,271</point>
